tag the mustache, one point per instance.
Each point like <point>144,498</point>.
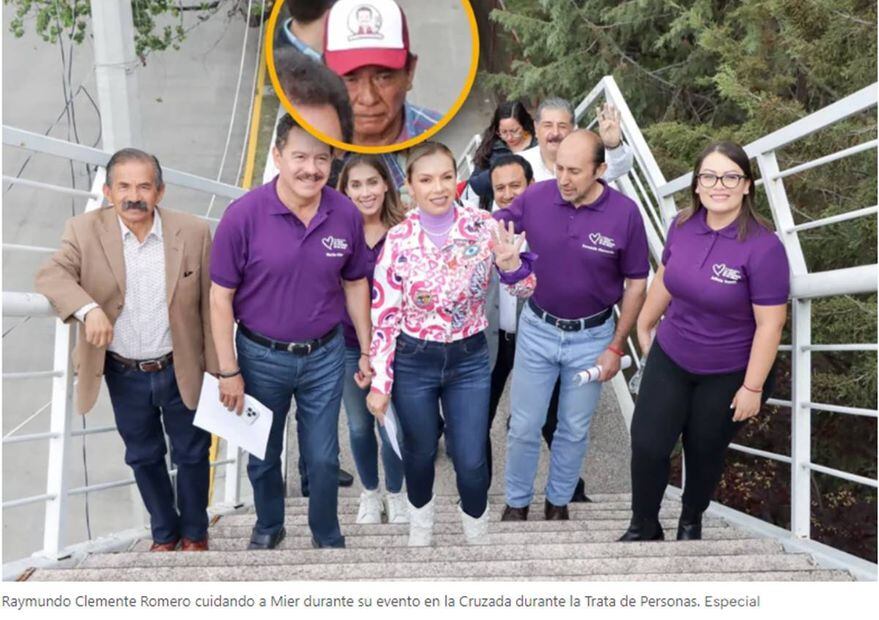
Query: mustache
<point>138,205</point>
<point>311,177</point>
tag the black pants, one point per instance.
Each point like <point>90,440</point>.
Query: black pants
<point>675,403</point>
<point>506,353</point>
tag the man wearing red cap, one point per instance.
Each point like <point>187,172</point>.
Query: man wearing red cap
<point>367,43</point>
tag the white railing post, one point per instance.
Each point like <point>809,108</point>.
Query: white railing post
<point>801,418</point>
<point>232,494</point>
<point>801,358</point>
<point>61,412</point>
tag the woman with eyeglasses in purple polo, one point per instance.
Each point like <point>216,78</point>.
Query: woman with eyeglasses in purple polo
<point>722,287</point>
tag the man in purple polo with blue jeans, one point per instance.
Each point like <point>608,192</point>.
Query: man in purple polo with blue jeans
<point>592,251</point>
<point>288,259</point>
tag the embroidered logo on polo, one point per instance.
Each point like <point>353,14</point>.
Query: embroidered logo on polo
<point>335,247</point>
<point>725,275</point>
<point>365,22</point>
<point>600,243</point>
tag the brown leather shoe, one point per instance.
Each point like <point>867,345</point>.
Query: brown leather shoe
<point>515,514</point>
<point>551,512</point>
<point>164,547</point>
<point>194,545</point>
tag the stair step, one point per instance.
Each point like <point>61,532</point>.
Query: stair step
<point>454,527</point>
<point>765,576</point>
<point>453,553</point>
<point>461,570</point>
<point>239,543</point>
<point>352,504</point>
<point>450,514</point>
<point>620,500</point>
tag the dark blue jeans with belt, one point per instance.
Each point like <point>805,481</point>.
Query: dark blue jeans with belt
<point>315,381</point>
<point>457,374</point>
<point>142,403</point>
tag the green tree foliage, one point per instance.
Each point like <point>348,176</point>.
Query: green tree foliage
<point>693,71</point>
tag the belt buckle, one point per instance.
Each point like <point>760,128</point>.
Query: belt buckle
<point>149,366</point>
<point>567,326</point>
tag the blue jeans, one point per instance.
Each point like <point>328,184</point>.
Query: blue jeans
<point>543,354</point>
<point>459,375</point>
<point>361,430</point>
<point>142,402</point>
<point>315,380</point>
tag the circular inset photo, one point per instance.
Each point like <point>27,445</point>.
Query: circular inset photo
<point>372,76</point>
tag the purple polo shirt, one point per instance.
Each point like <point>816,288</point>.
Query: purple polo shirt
<point>288,278</point>
<point>714,279</point>
<point>371,260</point>
<point>584,253</point>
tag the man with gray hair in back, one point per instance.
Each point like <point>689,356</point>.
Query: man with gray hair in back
<point>555,120</point>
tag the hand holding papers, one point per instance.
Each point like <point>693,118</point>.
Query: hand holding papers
<point>391,426</point>
<point>250,430</point>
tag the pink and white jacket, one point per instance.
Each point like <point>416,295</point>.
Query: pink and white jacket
<point>435,294</point>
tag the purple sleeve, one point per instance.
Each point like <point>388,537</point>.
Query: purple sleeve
<point>357,265</point>
<point>229,252</point>
<point>514,213</point>
<point>666,249</point>
<point>524,270</point>
<point>769,274</point>
<point>634,261</point>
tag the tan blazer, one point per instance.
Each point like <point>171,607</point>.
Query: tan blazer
<point>90,267</point>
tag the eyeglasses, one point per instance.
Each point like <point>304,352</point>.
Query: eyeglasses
<point>729,181</point>
<point>510,133</point>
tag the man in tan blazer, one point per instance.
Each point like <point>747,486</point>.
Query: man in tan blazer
<point>136,277</point>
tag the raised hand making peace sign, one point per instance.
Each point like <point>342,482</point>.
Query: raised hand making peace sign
<point>506,246</point>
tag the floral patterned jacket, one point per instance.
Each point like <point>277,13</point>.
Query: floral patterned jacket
<point>433,293</point>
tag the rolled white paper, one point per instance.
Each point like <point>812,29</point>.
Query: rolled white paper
<point>592,374</point>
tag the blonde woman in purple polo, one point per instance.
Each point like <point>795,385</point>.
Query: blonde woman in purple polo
<point>722,288</point>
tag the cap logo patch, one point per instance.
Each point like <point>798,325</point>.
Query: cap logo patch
<point>365,22</point>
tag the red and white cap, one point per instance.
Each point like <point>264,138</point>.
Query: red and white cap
<point>365,32</point>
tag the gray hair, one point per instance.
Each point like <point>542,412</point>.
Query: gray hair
<point>129,154</point>
<point>555,103</point>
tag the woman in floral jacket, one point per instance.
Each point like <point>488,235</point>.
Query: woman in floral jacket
<point>428,343</point>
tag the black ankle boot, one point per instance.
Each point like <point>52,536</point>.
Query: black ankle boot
<point>690,524</point>
<point>643,529</point>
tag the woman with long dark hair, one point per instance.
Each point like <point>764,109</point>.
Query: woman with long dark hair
<point>429,344</point>
<point>511,131</point>
<point>722,287</point>
<point>368,183</point>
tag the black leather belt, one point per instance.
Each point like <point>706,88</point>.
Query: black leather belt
<point>571,325</point>
<point>297,348</point>
<point>154,365</point>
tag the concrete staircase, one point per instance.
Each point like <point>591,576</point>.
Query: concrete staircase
<point>582,549</point>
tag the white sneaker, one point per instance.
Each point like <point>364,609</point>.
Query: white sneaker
<point>395,507</point>
<point>421,524</point>
<point>475,529</point>
<point>370,510</point>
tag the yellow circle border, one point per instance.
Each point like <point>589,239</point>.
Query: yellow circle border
<point>391,148</point>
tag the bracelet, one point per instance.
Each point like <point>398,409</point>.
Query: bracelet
<point>613,148</point>
<point>362,354</point>
<point>613,349</point>
<point>760,391</point>
<point>229,375</point>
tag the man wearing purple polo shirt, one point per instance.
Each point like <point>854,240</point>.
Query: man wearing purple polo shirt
<point>288,260</point>
<point>592,251</point>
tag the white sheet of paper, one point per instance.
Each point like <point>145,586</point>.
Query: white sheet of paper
<point>213,417</point>
<point>391,429</point>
